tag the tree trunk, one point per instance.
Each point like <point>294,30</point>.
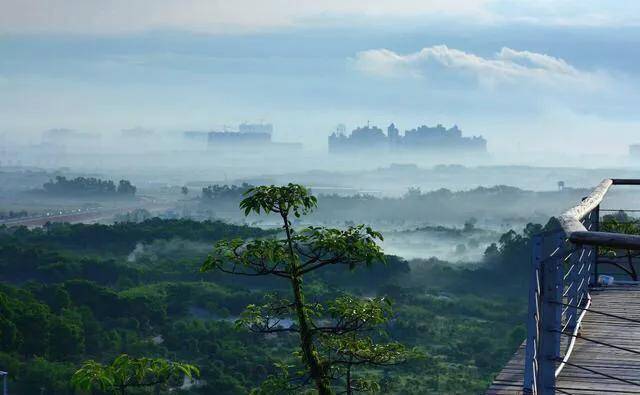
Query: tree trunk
<point>349,388</point>
<point>316,370</point>
<point>306,341</point>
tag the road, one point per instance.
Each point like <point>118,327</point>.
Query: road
<point>87,216</point>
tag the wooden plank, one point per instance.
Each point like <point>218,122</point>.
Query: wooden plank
<point>624,300</point>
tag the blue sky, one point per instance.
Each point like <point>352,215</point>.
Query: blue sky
<point>528,75</point>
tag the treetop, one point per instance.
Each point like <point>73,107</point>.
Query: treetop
<point>279,199</point>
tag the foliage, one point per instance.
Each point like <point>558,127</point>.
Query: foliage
<point>138,215</point>
<point>500,205</point>
<point>122,237</point>
<point>72,293</point>
<point>223,192</point>
<point>88,186</point>
<point>333,336</point>
<point>127,372</point>
<point>126,188</point>
<point>621,260</point>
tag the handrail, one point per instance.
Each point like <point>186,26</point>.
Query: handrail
<point>574,336</point>
<point>578,234</point>
<point>564,265</point>
<point>4,376</point>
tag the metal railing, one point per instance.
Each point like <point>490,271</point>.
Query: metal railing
<point>564,265</point>
<point>4,382</point>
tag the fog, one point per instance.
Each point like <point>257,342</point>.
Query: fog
<point>168,157</point>
<point>306,196</point>
<point>426,207</point>
<point>525,108</point>
<point>542,89</point>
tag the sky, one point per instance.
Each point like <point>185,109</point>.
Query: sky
<point>530,76</point>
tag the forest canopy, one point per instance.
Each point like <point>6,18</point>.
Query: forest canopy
<point>87,186</point>
<point>71,293</point>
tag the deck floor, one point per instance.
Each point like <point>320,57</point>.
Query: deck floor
<point>620,300</point>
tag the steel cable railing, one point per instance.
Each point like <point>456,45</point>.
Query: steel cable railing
<point>564,266</point>
<point>562,277</point>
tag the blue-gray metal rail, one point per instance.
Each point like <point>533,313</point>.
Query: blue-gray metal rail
<point>4,382</point>
<point>564,265</point>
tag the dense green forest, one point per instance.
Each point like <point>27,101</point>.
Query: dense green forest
<point>499,205</point>
<point>75,292</point>
<point>87,186</point>
<point>224,192</point>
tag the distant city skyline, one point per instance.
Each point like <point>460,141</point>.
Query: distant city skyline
<point>422,138</point>
<point>527,73</point>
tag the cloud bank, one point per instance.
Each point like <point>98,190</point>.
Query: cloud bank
<point>209,16</point>
<point>508,66</point>
<point>242,16</point>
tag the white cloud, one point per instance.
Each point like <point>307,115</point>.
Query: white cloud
<point>506,66</point>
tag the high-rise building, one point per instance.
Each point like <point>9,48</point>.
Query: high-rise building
<point>256,128</point>
<point>423,138</point>
<point>393,133</point>
<point>238,138</point>
<point>248,138</point>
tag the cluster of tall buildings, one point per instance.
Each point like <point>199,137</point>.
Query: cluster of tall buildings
<point>247,136</point>
<point>423,138</point>
<point>366,138</point>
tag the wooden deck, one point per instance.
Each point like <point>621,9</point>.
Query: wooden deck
<point>620,300</point>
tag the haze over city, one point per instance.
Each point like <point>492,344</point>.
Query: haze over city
<point>285,197</point>
<point>525,75</point>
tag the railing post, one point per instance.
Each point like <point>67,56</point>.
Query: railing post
<point>574,277</point>
<point>4,382</point>
<point>552,273</point>
<point>533,319</point>
<point>596,227</point>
